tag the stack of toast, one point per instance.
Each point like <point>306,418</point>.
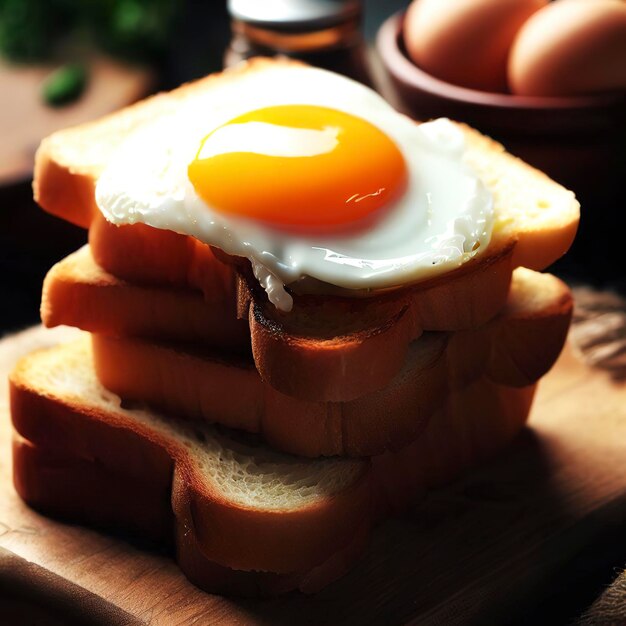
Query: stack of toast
<point>263,445</point>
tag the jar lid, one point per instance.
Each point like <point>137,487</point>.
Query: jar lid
<point>294,14</point>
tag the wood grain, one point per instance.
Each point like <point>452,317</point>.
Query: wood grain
<point>474,552</point>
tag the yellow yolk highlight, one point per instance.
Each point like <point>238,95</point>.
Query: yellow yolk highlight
<point>299,166</point>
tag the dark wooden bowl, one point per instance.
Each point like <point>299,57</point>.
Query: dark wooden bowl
<point>575,140</point>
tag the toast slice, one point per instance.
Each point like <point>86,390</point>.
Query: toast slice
<point>244,519</point>
<point>252,495</point>
<point>77,292</point>
<point>514,349</point>
<point>536,220</point>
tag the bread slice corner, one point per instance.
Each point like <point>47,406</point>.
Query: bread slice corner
<point>267,511</point>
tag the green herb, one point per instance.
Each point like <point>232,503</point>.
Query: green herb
<point>32,30</point>
<point>64,85</point>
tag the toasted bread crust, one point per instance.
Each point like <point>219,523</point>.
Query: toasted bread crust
<point>76,292</point>
<point>516,348</point>
<point>60,483</point>
<point>324,339</point>
<point>192,385</point>
<point>81,489</point>
<point>290,352</point>
<point>294,360</point>
<point>247,539</point>
<point>121,475</point>
<point>473,425</point>
<point>291,356</point>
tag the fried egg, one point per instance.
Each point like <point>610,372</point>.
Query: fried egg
<point>306,174</point>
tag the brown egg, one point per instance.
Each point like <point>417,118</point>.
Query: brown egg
<point>465,42</point>
<point>571,47</point>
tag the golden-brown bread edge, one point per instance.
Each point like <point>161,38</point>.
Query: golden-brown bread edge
<point>234,535</point>
<point>77,292</point>
<point>121,475</point>
<point>327,348</point>
<point>514,349</point>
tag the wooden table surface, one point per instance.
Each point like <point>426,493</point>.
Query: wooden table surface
<point>26,119</point>
<point>477,551</point>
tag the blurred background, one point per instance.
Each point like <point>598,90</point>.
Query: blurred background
<point>65,61</point>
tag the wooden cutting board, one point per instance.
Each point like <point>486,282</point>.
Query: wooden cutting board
<point>477,551</point>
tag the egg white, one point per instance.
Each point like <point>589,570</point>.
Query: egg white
<point>444,218</point>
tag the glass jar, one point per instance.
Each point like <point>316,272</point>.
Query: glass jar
<point>323,33</point>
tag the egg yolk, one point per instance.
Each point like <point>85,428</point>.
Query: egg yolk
<point>299,166</point>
